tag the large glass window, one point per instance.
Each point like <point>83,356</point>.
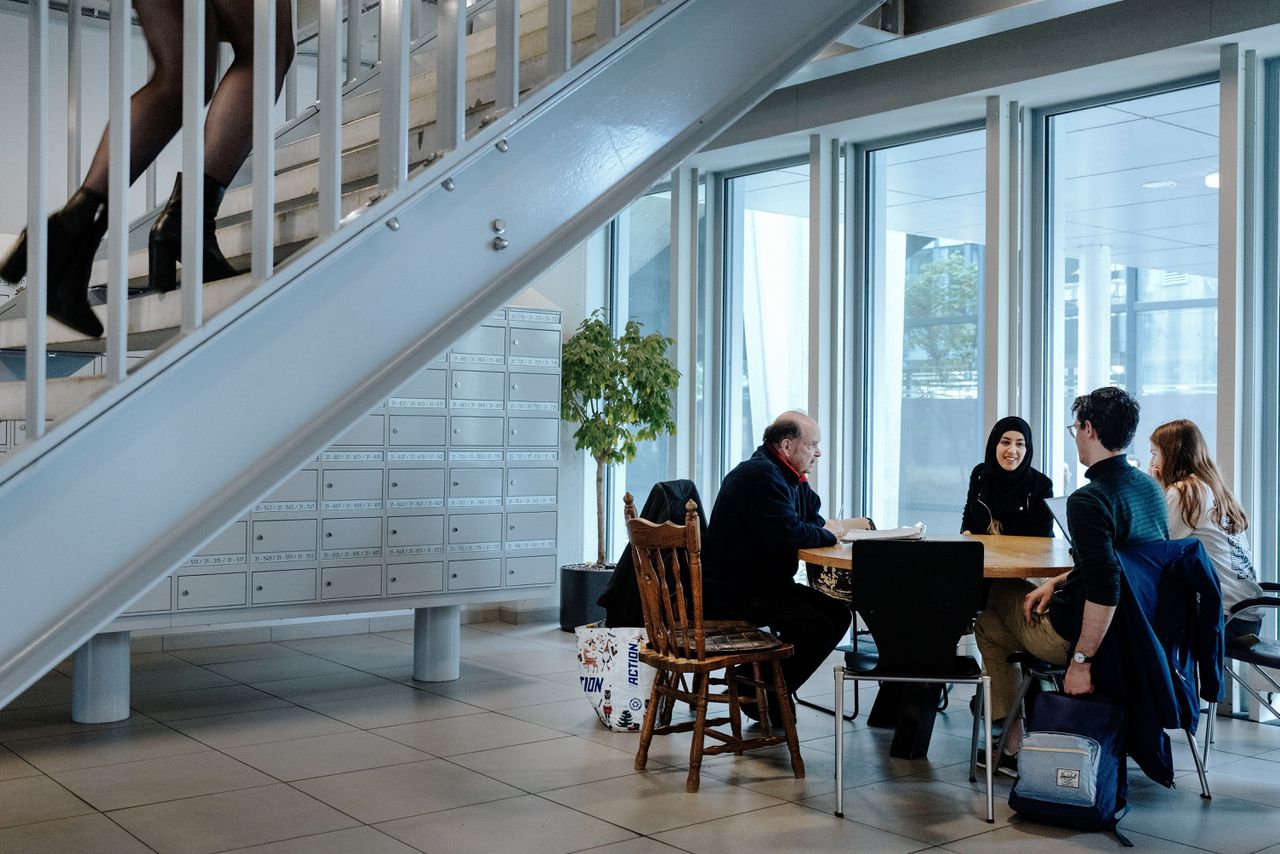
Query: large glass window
<point>644,270</point>
<point>926,236</point>
<point>768,266</point>
<point>1133,234</point>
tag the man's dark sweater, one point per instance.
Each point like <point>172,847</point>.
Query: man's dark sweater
<point>1119,506</point>
<point>762,516</point>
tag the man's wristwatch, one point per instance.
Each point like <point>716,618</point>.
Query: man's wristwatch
<point>1080,658</point>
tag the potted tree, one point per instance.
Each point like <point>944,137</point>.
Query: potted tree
<point>617,389</point>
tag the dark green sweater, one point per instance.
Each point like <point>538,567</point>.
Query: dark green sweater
<point>1120,505</point>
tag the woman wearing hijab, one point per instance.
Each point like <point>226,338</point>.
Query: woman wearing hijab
<point>1006,495</point>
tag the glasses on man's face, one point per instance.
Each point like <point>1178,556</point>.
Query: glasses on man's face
<point>1072,428</point>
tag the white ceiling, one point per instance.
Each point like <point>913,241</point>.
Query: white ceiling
<point>1102,156</point>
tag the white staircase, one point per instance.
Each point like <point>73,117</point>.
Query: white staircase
<point>120,491</point>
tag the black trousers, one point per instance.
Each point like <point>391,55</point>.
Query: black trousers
<point>812,622</point>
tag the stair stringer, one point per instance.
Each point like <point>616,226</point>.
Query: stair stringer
<point>120,493</point>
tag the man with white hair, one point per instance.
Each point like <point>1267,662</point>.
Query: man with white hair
<point>765,512</point>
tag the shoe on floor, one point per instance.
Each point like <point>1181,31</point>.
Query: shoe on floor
<point>1008,764</point>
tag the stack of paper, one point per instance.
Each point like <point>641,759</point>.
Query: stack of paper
<point>913,532</point>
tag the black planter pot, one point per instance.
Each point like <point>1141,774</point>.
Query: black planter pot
<point>581,584</point>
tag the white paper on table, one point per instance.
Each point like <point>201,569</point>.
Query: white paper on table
<point>912,532</point>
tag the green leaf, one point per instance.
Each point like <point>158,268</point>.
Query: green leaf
<point>618,389</point>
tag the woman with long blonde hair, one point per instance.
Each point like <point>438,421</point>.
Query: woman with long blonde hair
<point>1202,506</point>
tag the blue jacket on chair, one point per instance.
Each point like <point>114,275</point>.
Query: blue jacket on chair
<point>1165,640</point>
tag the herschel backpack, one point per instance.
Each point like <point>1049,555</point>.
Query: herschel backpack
<point>1071,769</point>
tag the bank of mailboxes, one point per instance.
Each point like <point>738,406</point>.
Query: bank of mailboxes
<point>450,486</point>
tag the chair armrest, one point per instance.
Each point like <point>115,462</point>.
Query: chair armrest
<point>1270,585</point>
<point>1255,601</point>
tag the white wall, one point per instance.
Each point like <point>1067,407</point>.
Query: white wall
<point>577,285</point>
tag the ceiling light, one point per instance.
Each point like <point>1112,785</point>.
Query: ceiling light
<point>1211,180</point>
<point>1159,185</point>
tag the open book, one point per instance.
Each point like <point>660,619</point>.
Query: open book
<point>913,532</point>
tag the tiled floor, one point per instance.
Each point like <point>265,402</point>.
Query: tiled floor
<point>326,745</point>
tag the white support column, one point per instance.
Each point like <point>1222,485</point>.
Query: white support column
<point>855,441</point>
<point>117,325</point>
<point>1233,113</point>
<point>685,318</point>
<point>824,207</point>
<point>100,680</point>
<point>994,315</point>
<point>712,424</point>
<point>437,643</point>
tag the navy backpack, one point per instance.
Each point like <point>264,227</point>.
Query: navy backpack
<point>1071,769</point>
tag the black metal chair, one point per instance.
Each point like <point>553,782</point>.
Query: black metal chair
<point>917,598</point>
<point>835,583</point>
<point>1264,653</point>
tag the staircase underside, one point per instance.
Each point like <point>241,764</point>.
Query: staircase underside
<point>121,492</point>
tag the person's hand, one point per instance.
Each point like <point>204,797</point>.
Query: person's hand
<point>1079,679</point>
<point>835,527</point>
<point>1036,605</point>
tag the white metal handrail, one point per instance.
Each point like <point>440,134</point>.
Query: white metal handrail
<point>396,46</point>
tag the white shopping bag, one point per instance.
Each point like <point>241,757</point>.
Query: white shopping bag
<point>616,684</point>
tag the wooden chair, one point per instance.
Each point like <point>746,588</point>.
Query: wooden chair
<point>669,574</point>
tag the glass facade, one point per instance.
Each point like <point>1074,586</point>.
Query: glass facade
<point>1133,261</point>
<point>926,212</point>
<point>768,269</point>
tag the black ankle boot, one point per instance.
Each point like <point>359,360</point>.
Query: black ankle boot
<point>74,235</point>
<point>165,246</point>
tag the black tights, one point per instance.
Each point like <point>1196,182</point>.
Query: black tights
<point>156,108</point>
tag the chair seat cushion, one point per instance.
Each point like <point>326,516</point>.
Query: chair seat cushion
<point>962,667</point>
<point>725,639</point>
<point>1264,652</point>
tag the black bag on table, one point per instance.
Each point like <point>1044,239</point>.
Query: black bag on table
<point>1071,769</point>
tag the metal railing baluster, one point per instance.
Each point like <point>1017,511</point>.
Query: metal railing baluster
<point>37,210</point>
<point>291,76</point>
<point>393,122</point>
<point>608,19</point>
<point>559,37</point>
<point>193,27</point>
<point>117,325</point>
<point>264,144</point>
<point>451,74</point>
<point>353,39</point>
<point>507,56</point>
<point>75,27</point>
<point>329,99</point>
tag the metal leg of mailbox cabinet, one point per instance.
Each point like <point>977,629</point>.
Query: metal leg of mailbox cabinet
<point>437,643</point>
<point>100,681</point>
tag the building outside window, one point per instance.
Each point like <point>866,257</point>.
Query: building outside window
<point>768,271</point>
<point>1133,263</point>
<point>927,224</point>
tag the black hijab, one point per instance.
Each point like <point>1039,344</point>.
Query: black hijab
<point>1005,492</point>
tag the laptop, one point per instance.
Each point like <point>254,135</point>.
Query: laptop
<point>1058,507</point>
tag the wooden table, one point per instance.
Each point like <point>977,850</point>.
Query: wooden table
<point>1002,557</point>
<point>911,710</point>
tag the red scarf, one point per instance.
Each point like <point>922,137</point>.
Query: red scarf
<point>773,452</point>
